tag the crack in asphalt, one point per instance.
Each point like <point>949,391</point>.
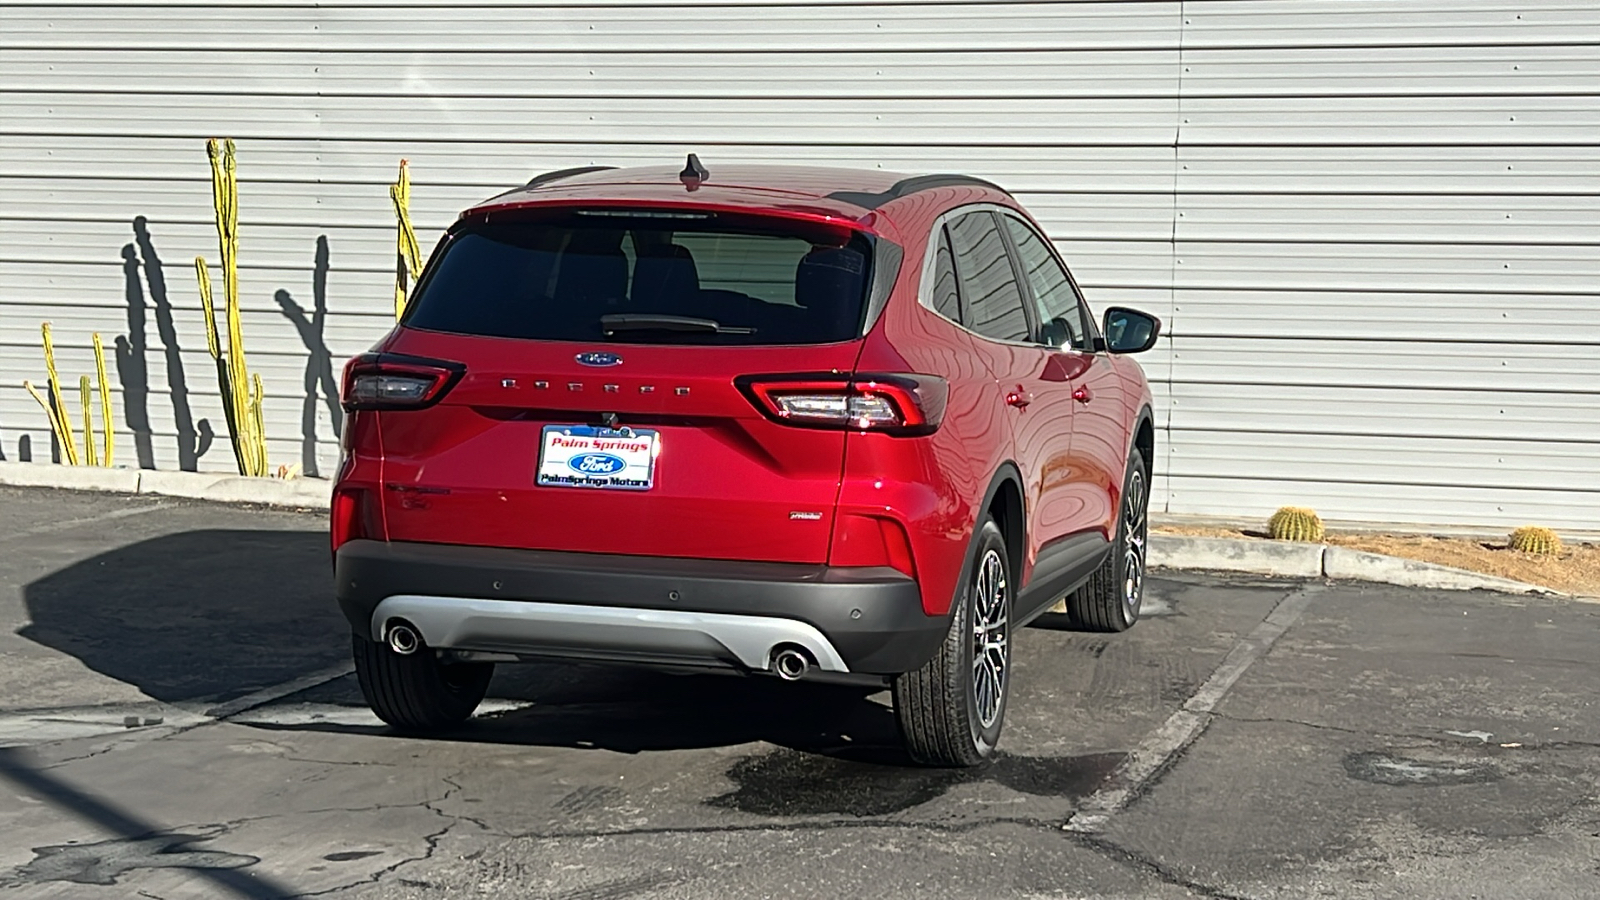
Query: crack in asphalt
<point>1099,845</point>
<point>1119,854</point>
<point>431,841</point>
<point>1401,735</point>
<point>361,763</point>
<point>815,825</point>
<point>145,734</point>
<point>461,817</point>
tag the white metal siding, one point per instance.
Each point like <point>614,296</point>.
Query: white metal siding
<point>1373,228</point>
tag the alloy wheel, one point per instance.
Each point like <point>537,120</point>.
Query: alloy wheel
<point>1135,533</point>
<point>991,633</point>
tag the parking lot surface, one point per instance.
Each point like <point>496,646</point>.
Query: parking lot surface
<point>177,719</point>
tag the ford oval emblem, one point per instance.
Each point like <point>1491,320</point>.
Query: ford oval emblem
<point>598,358</point>
<point>597,464</point>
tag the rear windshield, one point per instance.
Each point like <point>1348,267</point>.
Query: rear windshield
<point>602,275</point>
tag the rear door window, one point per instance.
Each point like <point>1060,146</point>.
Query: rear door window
<point>1060,312</point>
<point>988,284</point>
<point>611,275</point>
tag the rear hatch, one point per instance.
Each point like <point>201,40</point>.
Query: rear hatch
<point>598,409</point>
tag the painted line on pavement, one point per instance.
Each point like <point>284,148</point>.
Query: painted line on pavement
<point>44,726</point>
<point>278,691</point>
<point>346,715</point>
<point>1166,742</point>
<point>70,524</point>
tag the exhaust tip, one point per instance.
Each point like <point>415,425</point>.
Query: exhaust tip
<point>403,639</point>
<point>790,663</point>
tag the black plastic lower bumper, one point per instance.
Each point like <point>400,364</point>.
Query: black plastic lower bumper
<point>872,616</point>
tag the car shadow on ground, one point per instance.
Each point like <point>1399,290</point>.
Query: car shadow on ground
<point>628,709</point>
<point>198,616</point>
<point>839,748</point>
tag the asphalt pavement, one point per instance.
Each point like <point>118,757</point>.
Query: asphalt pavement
<point>177,719</point>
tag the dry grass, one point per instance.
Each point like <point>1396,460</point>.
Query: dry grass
<point>1575,570</point>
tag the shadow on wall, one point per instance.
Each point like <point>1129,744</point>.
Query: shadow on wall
<point>319,362</point>
<point>208,614</point>
<point>142,274</point>
<point>194,439</point>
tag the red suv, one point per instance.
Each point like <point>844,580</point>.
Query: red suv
<point>815,423</point>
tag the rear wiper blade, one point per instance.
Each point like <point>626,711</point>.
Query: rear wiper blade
<point>614,322</point>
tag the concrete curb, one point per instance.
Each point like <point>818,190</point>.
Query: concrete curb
<point>306,493</point>
<point>1342,562</point>
<point>77,478</point>
<point>1300,560</point>
<point>1281,558</point>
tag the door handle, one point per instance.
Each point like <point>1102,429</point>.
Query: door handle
<point>1082,394</point>
<point>1019,398</point>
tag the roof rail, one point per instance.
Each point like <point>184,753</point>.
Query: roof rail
<point>912,185</point>
<point>559,174</point>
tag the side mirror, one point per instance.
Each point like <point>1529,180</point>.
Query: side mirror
<point>1130,331</point>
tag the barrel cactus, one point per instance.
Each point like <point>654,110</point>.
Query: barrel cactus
<point>1534,539</point>
<point>1295,523</point>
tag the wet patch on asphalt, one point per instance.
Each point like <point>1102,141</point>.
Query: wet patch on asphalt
<point>791,783</point>
<point>1405,770</point>
<point>1157,604</point>
<point>103,862</point>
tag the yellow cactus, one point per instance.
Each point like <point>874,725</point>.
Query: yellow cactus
<point>63,420</point>
<point>1295,523</point>
<point>55,406</point>
<point>407,251</point>
<point>245,426</point>
<point>258,425</point>
<point>207,308</point>
<point>105,399</point>
<point>62,439</point>
<point>86,397</point>
<point>1535,539</point>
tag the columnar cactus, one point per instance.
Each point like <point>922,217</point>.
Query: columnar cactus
<point>55,406</point>
<point>408,253</point>
<point>239,404</point>
<point>1295,523</point>
<point>58,397</point>
<point>86,396</point>
<point>105,399</point>
<point>1534,539</point>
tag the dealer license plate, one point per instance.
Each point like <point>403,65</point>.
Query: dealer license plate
<point>586,456</point>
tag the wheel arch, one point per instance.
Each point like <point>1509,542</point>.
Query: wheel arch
<point>1004,501</point>
<point>1144,437</point>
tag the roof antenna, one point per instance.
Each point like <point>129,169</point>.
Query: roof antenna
<point>693,173</point>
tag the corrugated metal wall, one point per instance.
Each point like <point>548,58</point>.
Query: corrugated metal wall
<point>1373,227</point>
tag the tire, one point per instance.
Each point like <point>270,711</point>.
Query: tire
<point>950,710</point>
<point>417,692</point>
<point>1110,600</point>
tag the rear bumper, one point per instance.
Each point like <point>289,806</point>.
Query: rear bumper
<point>634,608</point>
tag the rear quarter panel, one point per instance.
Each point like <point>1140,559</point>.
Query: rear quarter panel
<point>932,485</point>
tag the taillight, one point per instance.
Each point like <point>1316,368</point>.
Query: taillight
<point>895,404</point>
<point>392,381</point>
